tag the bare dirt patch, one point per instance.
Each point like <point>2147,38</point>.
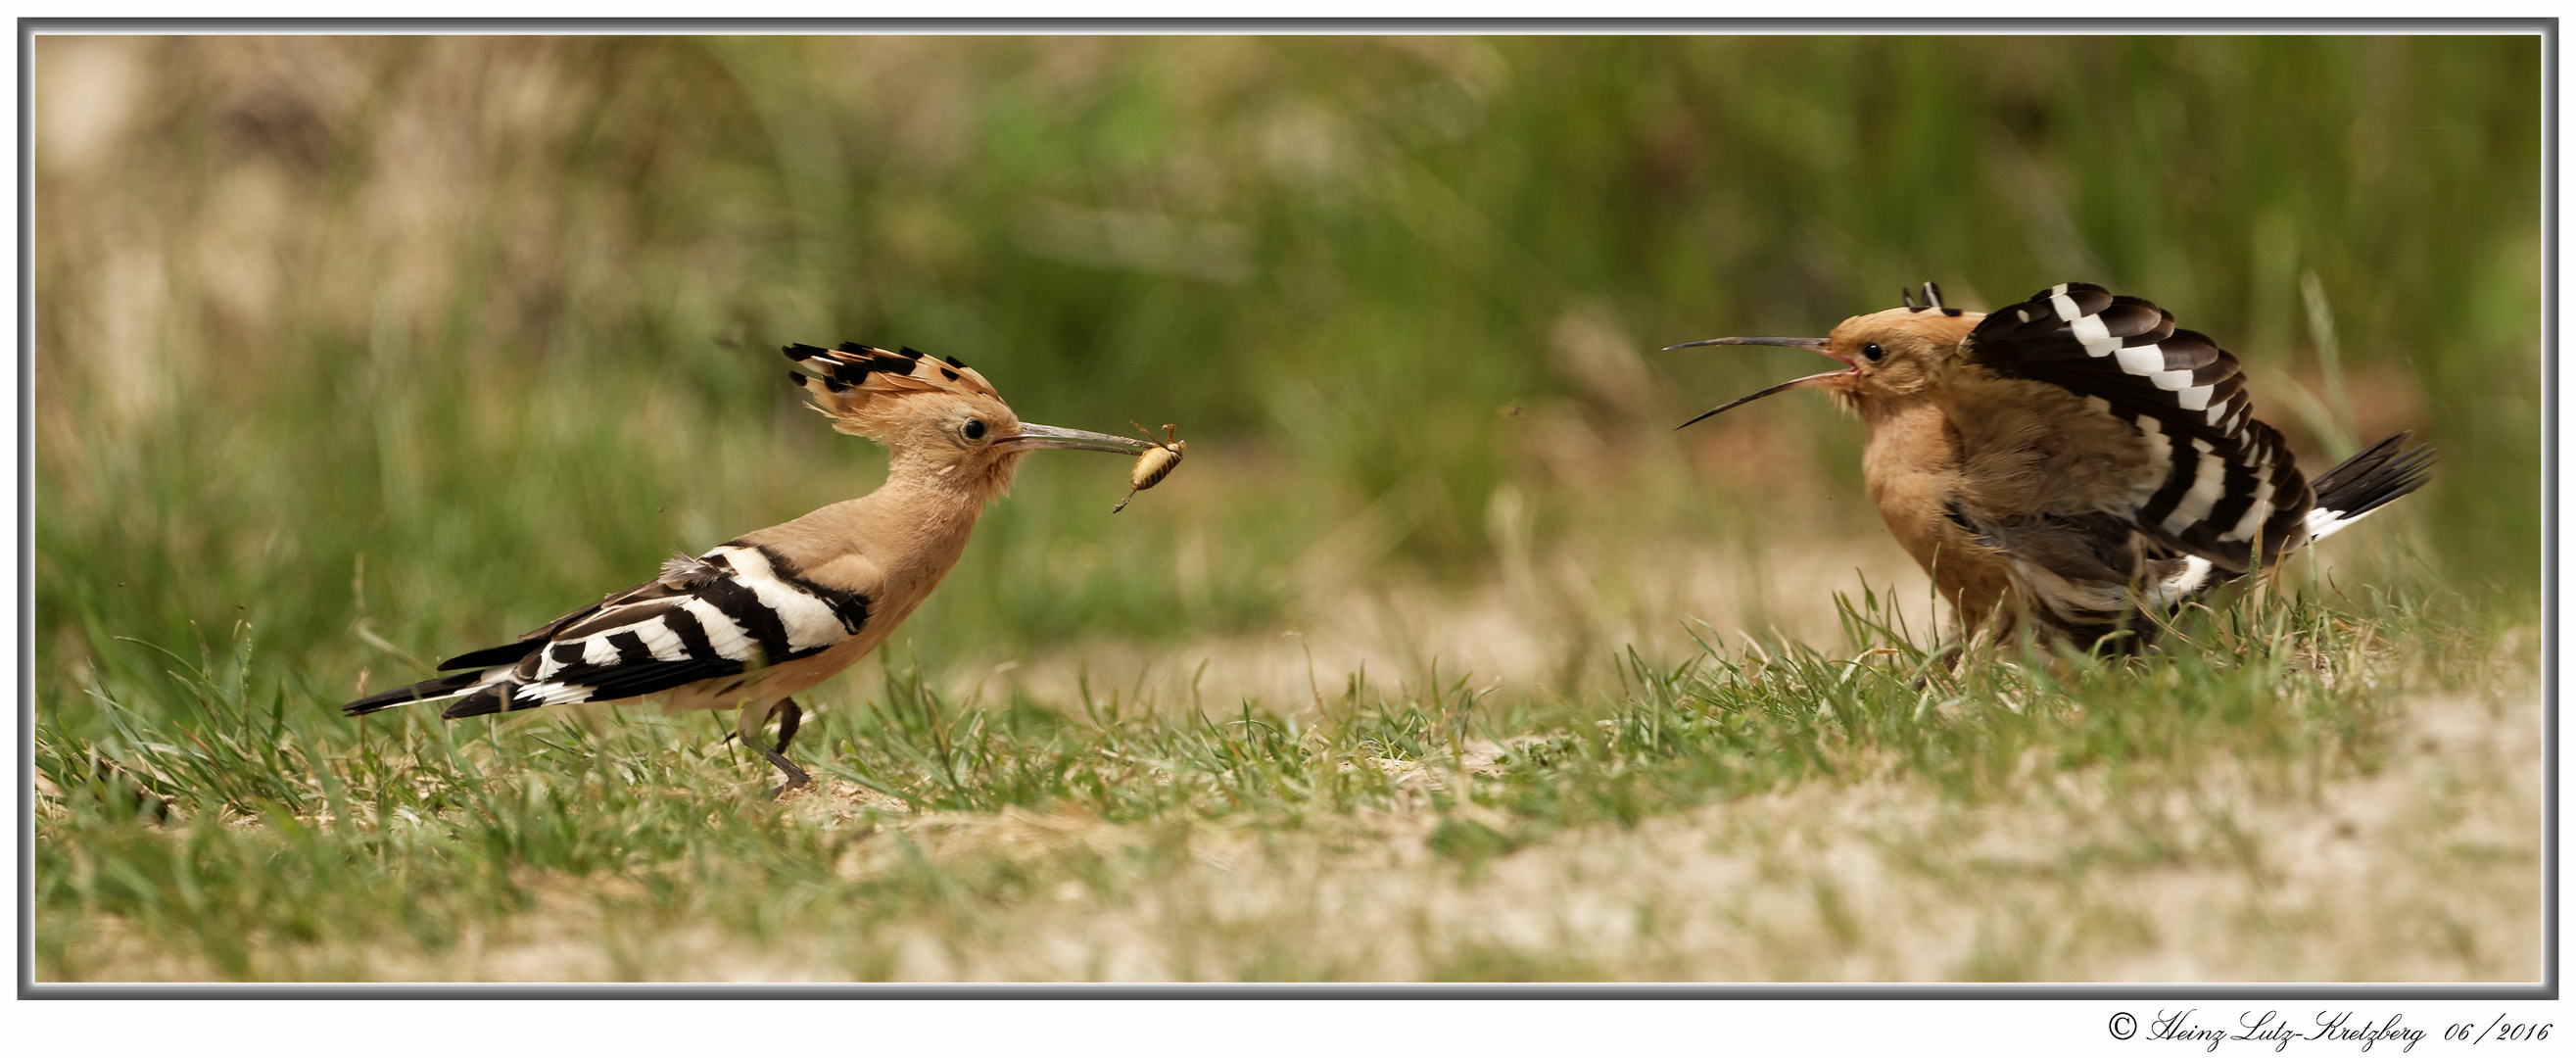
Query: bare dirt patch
<point>2426,870</point>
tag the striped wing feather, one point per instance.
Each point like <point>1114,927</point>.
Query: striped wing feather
<point>735,609</point>
<point>2217,479</point>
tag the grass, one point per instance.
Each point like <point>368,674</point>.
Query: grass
<point>244,840</point>
<point>1443,658</point>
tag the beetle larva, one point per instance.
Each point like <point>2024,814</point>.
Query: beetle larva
<point>1153,466</point>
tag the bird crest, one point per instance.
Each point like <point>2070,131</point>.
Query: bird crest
<point>1931,300</point>
<point>856,384</point>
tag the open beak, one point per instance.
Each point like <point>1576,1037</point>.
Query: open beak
<point>1813,345</point>
<point>1032,435</point>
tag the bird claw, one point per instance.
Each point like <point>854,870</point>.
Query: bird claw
<point>795,783</point>
<point>796,777</point>
<point>1947,661</point>
<point>789,715</point>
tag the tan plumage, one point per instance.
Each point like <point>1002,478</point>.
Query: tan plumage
<point>2059,464</point>
<point>775,611</point>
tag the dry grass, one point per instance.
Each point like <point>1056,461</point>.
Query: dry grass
<point>2427,870</point>
<point>2377,838</point>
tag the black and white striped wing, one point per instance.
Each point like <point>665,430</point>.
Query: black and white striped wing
<point>733,610</point>
<point>2217,479</point>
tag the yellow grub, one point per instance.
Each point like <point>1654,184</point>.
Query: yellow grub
<point>1153,466</point>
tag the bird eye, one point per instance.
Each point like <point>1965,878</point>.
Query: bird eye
<point>974,429</point>
<point>1873,352</point>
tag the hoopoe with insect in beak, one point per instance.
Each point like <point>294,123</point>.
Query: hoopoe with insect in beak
<point>2064,464</point>
<point>772,612</point>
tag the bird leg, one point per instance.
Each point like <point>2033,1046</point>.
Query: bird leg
<point>747,724</point>
<point>1949,660</point>
<point>789,714</point>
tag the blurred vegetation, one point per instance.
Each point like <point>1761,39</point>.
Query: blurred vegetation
<point>447,335</point>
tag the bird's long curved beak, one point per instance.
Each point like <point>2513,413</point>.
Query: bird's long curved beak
<point>1819,346</point>
<point>1814,345</point>
<point>1811,380</point>
<point>1032,435</point>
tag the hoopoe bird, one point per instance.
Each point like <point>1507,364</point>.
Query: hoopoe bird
<point>2067,463</point>
<point>770,613</point>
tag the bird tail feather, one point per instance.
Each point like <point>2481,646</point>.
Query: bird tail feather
<point>2367,482</point>
<point>437,690</point>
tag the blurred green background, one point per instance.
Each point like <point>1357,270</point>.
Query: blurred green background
<point>431,339</point>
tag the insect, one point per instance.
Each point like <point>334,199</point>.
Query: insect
<point>1154,464</point>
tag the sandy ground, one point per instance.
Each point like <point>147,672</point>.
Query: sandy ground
<point>2427,870</point>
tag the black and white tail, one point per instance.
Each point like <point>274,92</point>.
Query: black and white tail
<point>2367,482</point>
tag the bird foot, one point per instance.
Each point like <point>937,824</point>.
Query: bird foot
<point>789,715</point>
<point>796,777</point>
<point>1948,660</point>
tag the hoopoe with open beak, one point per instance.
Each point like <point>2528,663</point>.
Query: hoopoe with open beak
<point>2061,464</point>
<point>770,613</point>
